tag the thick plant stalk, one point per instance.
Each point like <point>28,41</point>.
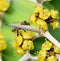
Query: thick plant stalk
<point>58,57</point>
<point>0,56</point>
<point>28,56</point>
<point>39,2</point>
<point>25,27</point>
<point>37,35</point>
<point>51,38</point>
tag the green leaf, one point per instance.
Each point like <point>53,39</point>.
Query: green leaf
<point>37,45</point>
<point>20,10</point>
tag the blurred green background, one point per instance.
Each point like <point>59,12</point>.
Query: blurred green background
<point>20,10</point>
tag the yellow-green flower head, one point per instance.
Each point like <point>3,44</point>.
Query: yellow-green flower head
<point>25,45</point>
<point>18,41</point>
<point>54,14</point>
<point>33,19</point>
<point>41,24</point>
<point>27,34</point>
<point>20,51</point>
<point>2,45</point>
<point>45,14</point>
<point>52,58</point>
<point>38,9</point>
<point>42,55</point>
<point>56,49</point>
<point>46,45</point>
<point>55,24</point>
<point>41,13</point>
<point>4,5</point>
<point>28,45</point>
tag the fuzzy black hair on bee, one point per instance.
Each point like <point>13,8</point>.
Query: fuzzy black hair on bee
<point>22,23</point>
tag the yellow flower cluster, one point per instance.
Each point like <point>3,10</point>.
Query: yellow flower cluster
<point>48,51</point>
<point>23,41</point>
<point>2,43</point>
<point>4,5</point>
<point>42,17</point>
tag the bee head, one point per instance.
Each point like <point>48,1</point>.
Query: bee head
<point>22,23</point>
<point>25,23</point>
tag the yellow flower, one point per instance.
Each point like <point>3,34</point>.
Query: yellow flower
<point>46,45</point>
<point>18,41</point>
<point>27,34</point>
<point>51,58</point>
<point>28,45</point>
<point>20,51</point>
<point>54,14</point>
<point>25,45</point>
<point>42,55</point>
<point>4,5</point>
<point>41,14</point>
<point>55,24</point>
<point>2,44</point>
<point>56,49</point>
<point>42,24</point>
<point>38,9</point>
<point>33,19</point>
<point>44,14</point>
